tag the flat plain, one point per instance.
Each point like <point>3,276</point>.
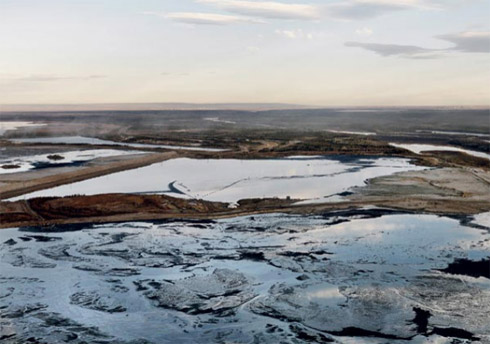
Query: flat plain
<point>303,225</point>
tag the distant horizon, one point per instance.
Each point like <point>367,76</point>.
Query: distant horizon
<point>233,106</point>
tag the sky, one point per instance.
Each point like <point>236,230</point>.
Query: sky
<point>319,52</point>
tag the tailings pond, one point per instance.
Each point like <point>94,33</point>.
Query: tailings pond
<point>82,140</point>
<point>365,276</point>
<point>56,159</point>
<point>420,148</point>
<point>227,180</point>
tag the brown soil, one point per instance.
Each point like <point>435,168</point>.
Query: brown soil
<point>10,167</point>
<point>55,157</point>
<point>461,187</point>
<point>124,207</point>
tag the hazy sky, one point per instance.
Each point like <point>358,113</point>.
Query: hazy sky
<point>320,52</point>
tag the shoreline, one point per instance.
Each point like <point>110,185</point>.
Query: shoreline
<point>196,210</point>
<point>19,187</point>
<point>458,184</point>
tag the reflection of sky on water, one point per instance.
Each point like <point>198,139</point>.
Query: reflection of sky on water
<point>325,294</point>
<point>403,239</point>
<point>390,250</point>
<point>231,180</point>
<point>27,163</point>
<point>482,219</point>
<point>82,140</point>
<point>419,148</point>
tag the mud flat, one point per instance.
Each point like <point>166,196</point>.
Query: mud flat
<point>359,276</point>
<point>319,178</point>
<point>390,247</point>
<point>450,191</point>
<point>457,190</point>
<point>267,145</point>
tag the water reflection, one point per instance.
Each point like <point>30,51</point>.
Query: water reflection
<point>270,278</point>
<point>230,180</point>
<point>82,140</point>
<point>419,148</point>
<point>27,163</point>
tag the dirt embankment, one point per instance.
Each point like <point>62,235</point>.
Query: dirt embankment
<point>454,189</point>
<point>124,207</point>
<point>441,190</point>
<point>18,188</point>
<point>451,191</point>
<point>273,145</point>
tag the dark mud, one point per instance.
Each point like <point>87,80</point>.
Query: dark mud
<point>260,279</point>
<point>451,332</point>
<point>40,165</point>
<point>56,228</point>
<point>10,167</point>
<point>468,267</point>
<point>421,319</point>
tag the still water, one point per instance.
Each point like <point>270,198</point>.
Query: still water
<point>82,140</point>
<point>353,277</point>
<point>229,180</point>
<point>38,161</point>
<point>419,148</point>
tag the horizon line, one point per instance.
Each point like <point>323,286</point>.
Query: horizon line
<point>183,106</point>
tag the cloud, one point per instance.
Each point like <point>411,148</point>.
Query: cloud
<point>466,42</point>
<point>407,51</point>
<point>469,42</point>
<point>346,9</point>
<point>365,31</point>
<point>198,18</point>
<point>295,34</point>
<point>244,11</point>
<point>363,9</point>
<point>267,9</point>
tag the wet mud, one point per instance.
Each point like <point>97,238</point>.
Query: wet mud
<point>480,268</point>
<point>343,277</point>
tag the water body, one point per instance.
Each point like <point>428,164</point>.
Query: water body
<point>482,219</point>
<point>363,133</point>
<point>365,110</point>
<point>82,140</point>
<point>229,180</point>
<point>419,148</point>
<point>453,133</point>
<point>351,277</point>
<point>14,125</point>
<point>28,163</point>
<point>218,120</point>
